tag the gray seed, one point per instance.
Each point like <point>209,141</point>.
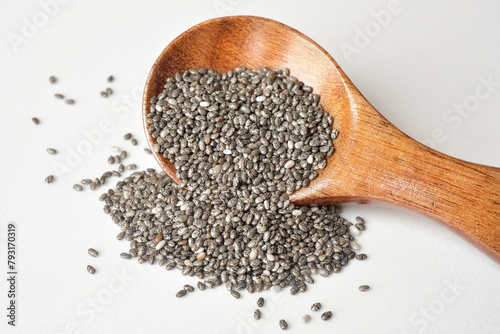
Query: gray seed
<point>326,316</point>
<point>104,94</point>
<point>361,257</point>
<point>86,181</point>
<point>120,235</point>
<point>283,324</point>
<point>134,141</point>
<point>93,185</point>
<point>91,269</point>
<point>69,101</point>
<point>188,287</point>
<point>52,79</point>
<point>260,302</point>
<point>49,179</point>
<point>111,78</point>
<point>59,96</point>
<point>256,314</point>
<point>127,136</point>
<point>51,151</point>
<point>306,318</point>
<point>201,286</point>
<point>181,293</point>
<point>121,168</point>
<point>111,160</point>
<point>131,166</point>
<point>125,256</point>
<point>123,154</point>
<point>148,151</point>
<point>109,91</point>
<point>364,287</point>
<point>316,307</point>
<point>235,294</point>
<point>360,220</point>
<point>35,120</point>
<point>93,252</point>
<point>77,187</point>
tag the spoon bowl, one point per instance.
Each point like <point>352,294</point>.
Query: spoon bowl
<point>373,160</point>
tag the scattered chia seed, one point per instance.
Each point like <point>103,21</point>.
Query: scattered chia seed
<point>364,287</point>
<point>361,257</point>
<point>188,288</point>
<point>283,324</point>
<point>49,179</point>
<point>77,187</point>
<point>91,269</point>
<point>181,293</point>
<point>111,78</point>
<point>51,151</point>
<point>148,151</point>
<point>260,302</point>
<point>257,314</point>
<point>35,120</point>
<point>59,96</point>
<point>134,141</point>
<point>306,318</point>
<point>69,101</point>
<point>316,307</point>
<point>127,136</point>
<point>326,316</point>
<point>93,252</point>
<point>52,79</point>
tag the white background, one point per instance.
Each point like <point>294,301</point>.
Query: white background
<point>430,57</point>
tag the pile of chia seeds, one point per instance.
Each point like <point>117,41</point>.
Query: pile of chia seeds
<point>241,142</point>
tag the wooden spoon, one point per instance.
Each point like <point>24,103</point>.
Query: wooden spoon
<point>373,159</point>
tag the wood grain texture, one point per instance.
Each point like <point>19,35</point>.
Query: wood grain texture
<point>373,159</point>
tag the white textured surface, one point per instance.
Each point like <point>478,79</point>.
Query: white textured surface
<point>425,279</point>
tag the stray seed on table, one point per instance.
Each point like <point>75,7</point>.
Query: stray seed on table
<point>316,307</point>
<point>127,136</point>
<point>131,166</point>
<point>134,141</point>
<point>109,91</point>
<point>125,256</point>
<point>283,324</point>
<point>77,187</point>
<point>121,168</point>
<point>201,286</point>
<point>257,314</point>
<point>123,154</point>
<point>35,120</point>
<point>69,101</point>
<point>364,287</point>
<point>91,269</point>
<point>306,318</point>
<point>59,96</point>
<point>111,160</point>
<point>360,220</point>
<point>104,94</point>
<point>111,78</point>
<point>148,151</point>
<point>93,252</point>
<point>49,179</point>
<point>52,79</point>
<point>235,294</point>
<point>361,257</point>
<point>181,293</point>
<point>93,185</point>
<point>260,302</point>
<point>188,287</point>
<point>51,151</point>
<point>86,181</point>
<point>120,235</point>
<point>326,316</point>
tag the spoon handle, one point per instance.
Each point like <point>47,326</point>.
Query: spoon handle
<point>463,195</point>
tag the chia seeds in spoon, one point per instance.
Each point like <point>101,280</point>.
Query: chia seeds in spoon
<point>240,141</point>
